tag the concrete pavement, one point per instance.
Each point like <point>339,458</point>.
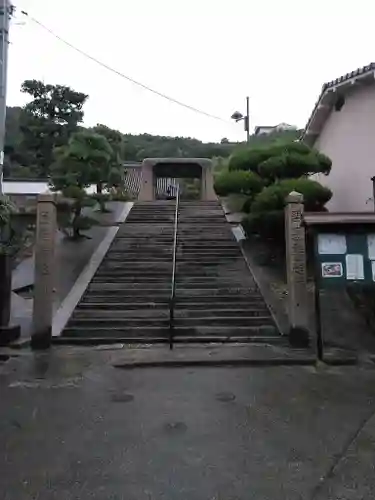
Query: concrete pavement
<point>75,427</point>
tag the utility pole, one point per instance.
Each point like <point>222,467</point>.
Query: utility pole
<point>247,120</point>
<point>237,116</point>
<point>6,11</point>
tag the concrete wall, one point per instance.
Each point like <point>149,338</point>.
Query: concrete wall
<point>348,138</point>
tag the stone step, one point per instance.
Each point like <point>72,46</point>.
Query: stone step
<point>115,254</point>
<point>89,321</point>
<point>136,273</point>
<point>124,293</point>
<point>102,322</point>
<point>215,333</point>
<point>147,247</point>
<point>123,257</point>
<point>162,267</point>
<point>182,255</point>
<point>209,288</point>
<point>222,321</point>
<point>124,314</point>
<point>200,317</point>
<point>145,266</point>
<point>206,301</point>
<point>116,278</point>
<point>126,289</point>
<point>181,280</point>
<point>165,284</point>
<point>212,253</point>
<point>111,307</point>
<point>115,298</point>
<point>129,296</point>
<point>145,310</point>
<point>143,235</point>
<point>157,253</point>
<point>202,260</point>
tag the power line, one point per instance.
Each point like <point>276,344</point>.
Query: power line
<point>113,70</point>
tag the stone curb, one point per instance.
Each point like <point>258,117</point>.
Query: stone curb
<point>130,365</point>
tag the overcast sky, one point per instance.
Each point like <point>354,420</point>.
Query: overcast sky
<point>207,53</point>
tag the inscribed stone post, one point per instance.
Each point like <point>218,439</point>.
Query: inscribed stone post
<point>207,182</point>
<point>146,192</point>
<point>44,274</point>
<point>296,269</point>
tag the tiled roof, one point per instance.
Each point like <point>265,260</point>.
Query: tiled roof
<point>332,84</point>
<point>348,76</point>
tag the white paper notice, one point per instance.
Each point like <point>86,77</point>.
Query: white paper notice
<point>371,246</point>
<point>354,267</point>
<point>373,270</point>
<point>331,244</point>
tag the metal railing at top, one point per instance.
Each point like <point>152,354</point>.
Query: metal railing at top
<point>173,282</point>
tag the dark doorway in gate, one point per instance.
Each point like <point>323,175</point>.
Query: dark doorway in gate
<point>191,172</point>
<point>167,177</point>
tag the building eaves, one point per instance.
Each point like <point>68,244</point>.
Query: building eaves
<point>321,111</point>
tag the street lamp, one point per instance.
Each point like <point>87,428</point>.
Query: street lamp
<point>239,116</point>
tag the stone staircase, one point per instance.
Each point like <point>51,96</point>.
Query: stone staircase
<point>216,296</point>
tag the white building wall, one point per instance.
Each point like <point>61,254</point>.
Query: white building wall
<point>348,138</point>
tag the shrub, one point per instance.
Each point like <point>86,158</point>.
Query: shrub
<point>293,165</point>
<point>246,207</point>
<point>120,196</point>
<point>273,197</point>
<point>280,168</point>
<point>69,212</point>
<point>268,225</point>
<point>248,159</point>
<point>7,209</point>
<point>101,199</point>
<point>266,217</point>
<point>238,182</point>
<point>280,161</point>
<point>12,235</point>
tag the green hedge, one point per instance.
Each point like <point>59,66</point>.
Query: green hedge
<point>273,197</point>
<point>268,225</point>
<point>266,217</point>
<point>288,160</point>
<point>238,182</point>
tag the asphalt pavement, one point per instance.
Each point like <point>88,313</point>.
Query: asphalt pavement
<point>73,426</point>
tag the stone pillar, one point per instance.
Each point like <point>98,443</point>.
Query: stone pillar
<point>207,188</point>
<point>146,192</point>
<point>296,270</point>
<point>44,274</point>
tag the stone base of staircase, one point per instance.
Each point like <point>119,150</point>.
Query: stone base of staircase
<point>211,356</point>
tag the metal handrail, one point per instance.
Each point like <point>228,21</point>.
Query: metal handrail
<point>173,283</point>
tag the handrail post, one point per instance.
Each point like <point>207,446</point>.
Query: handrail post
<point>173,283</point>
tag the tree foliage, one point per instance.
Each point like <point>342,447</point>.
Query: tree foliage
<point>55,112</point>
<point>47,122</point>
<point>238,182</point>
<point>281,168</point>
<point>281,161</point>
<point>84,161</point>
<point>111,173</point>
<point>7,233</point>
<point>273,197</point>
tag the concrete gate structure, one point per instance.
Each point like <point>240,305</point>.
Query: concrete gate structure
<point>152,168</point>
